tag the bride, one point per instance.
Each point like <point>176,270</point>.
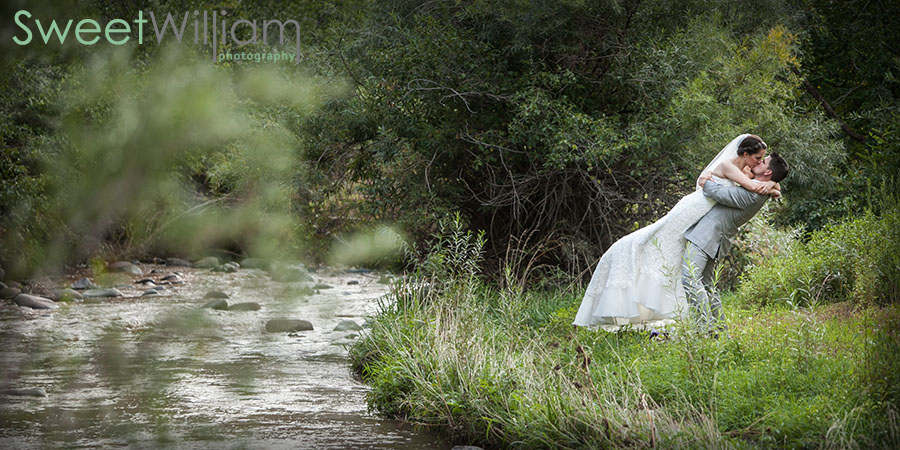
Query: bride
<point>638,279</point>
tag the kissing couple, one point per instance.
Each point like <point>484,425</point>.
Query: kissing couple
<point>666,269</point>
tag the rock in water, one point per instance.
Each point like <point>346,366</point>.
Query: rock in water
<point>322,286</point>
<point>248,306</point>
<point>287,325</point>
<point>34,302</point>
<point>65,295</point>
<point>84,283</point>
<point>216,294</point>
<point>102,293</point>
<point>125,267</point>
<point>286,274</point>
<point>178,262</point>
<point>9,292</point>
<point>28,392</point>
<point>218,303</point>
<point>347,325</point>
<point>210,262</point>
<point>173,278</point>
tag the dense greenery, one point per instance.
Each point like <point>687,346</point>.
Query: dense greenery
<point>858,260</point>
<point>505,367</point>
<point>571,132</point>
<point>556,127</point>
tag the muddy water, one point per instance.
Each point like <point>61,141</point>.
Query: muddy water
<point>160,372</point>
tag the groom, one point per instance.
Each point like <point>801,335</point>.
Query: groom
<point>709,238</point>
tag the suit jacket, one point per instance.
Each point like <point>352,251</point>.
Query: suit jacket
<point>734,207</point>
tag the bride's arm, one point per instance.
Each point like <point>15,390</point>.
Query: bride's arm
<point>730,171</point>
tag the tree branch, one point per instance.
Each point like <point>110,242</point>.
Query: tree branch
<point>828,109</point>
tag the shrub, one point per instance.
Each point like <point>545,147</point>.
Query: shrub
<point>858,260</point>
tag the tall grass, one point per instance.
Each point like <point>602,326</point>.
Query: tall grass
<point>504,367</point>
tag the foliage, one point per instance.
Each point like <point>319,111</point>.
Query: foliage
<point>572,132</point>
<point>850,57</point>
<point>857,259</point>
<point>118,168</point>
<point>756,242</point>
<point>570,123</point>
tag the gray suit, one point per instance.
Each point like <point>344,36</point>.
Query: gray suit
<point>709,239</point>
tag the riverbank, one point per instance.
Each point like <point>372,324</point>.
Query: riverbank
<point>506,368</point>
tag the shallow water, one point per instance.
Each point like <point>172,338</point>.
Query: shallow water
<point>160,372</point>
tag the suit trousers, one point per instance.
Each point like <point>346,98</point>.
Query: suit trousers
<point>698,278</point>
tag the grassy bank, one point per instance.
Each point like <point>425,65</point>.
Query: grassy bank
<point>505,367</point>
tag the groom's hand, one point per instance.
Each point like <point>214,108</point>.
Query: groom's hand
<point>704,178</point>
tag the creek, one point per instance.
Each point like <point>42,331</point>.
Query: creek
<point>163,372</point>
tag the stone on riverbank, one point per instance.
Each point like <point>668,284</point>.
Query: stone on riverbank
<point>125,267</point>
<point>210,262</point>
<point>102,293</point>
<point>34,302</point>
<point>84,283</point>
<point>347,325</point>
<point>287,325</point>
<point>247,306</point>
<point>219,304</point>
<point>178,262</point>
<point>216,294</point>
<point>9,292</point>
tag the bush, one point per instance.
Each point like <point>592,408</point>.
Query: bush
<point>756,242</point>
<point>858,260</point>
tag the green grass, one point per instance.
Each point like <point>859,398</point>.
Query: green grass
<point>506,368</point>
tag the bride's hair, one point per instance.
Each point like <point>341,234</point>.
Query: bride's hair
<point>751,144</point>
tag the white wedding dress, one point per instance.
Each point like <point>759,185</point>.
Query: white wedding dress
<point>638,279</point>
